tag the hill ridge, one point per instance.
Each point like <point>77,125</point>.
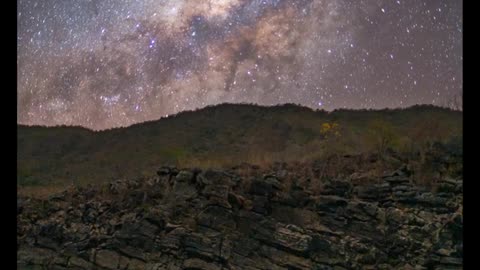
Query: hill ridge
<point>223,135</point>
<point>223,105</point>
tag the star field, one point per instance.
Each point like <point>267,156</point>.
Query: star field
<point>110,63</point>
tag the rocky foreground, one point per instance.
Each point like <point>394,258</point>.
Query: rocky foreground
<point>192,219</point>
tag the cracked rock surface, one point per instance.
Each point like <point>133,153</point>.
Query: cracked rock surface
<point>193,219</point>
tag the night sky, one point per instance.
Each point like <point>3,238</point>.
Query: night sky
<point>110,63</point>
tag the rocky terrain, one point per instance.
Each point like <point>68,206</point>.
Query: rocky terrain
<point>246,218</point>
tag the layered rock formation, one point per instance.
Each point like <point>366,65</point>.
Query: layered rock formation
<point>192,219</point>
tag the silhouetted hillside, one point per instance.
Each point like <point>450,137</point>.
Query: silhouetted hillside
<point>224,135</point>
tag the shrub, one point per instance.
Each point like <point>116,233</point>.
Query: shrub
<point>382,135</point>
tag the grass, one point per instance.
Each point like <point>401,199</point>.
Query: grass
<point>218,137</point>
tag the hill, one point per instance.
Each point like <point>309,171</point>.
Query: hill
<point>292,188</point>
<point>224,135</point>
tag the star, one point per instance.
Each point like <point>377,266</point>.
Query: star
<point>110,63</point>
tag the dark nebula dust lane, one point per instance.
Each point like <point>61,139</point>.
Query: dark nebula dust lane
<point>110,63</point>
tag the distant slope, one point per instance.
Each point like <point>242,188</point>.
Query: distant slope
<point>215,136</point>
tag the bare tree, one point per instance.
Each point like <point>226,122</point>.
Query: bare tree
<point>454,102</point>
<point>382,135</point>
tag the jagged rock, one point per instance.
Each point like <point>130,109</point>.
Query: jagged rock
<point>430,200</point>
<point>236,201</point>
<point>76,262</point>
<point>450,186</point>
<point>273,181</point>
<point>361,210</point>
<point>403,171</point>
<point>107,259</point>
<point>134,264</point>
<point>167,171</point>
<point>184,176</point>
<point>397,180</point>
<point>214,177</point>
<point>217,195</point>
<point>402,188</point>
<point>260,205</point>
<point>118,187</point>
<point>220,220</point>
<point>184,190</point>
<point>285,237</point>
<point>362,178</point>
<point>35,256</point>
<point>376,192</point>
<point>172,241</point>
<point>156,219</point>
<point>57,197</point>
<point>195,263</point>
<point>285,259</point>
<point>46,242</point>
<point>264,187</point>
<point>20,205</point>
<point>200,246</point>
<point>216,217</point>
<point>132,252</point>
<point>340,188</point>
<point>298,197</point>
<point>330,203</point>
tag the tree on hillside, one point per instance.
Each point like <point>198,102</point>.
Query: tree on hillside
<point>331,145</point>
<point>382,135</point>
<point>330,130</point>
<point>330,135</point>
<point>425,133</point>
<point>454,102</point>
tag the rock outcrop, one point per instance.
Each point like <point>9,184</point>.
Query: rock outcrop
<point>192,219</point>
